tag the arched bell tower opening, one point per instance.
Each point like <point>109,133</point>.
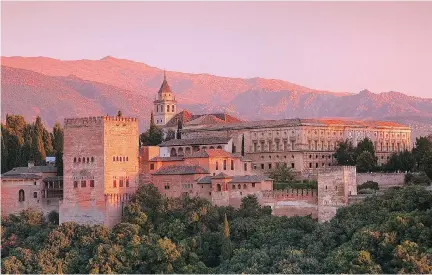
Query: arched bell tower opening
<point>165,105</point>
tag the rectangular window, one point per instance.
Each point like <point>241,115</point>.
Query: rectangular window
<point>83,183</point>
<point>91,183</point>
<point>270,166</point>
<point>262,166</point>
<point>262,146</point>
<point>75,184</point>
<point>151,166</point>
<point>121,182</point>
<point>35,195</point>
<point>114,183</point>
<point>127,182</point>
<point>253,184</point>
<point>285,145</point>
<point>270,146</point>
<point>292,164</point>
<point>232,164</point>
<point>245,166</point>
<point>277,146</point>
<point>255,147</point>
<point>224,164</point>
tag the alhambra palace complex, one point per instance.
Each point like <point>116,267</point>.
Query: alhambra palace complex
<point>104,165</point>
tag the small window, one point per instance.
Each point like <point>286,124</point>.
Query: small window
<point>83,183</point>
<point>292,164</point>
<point>239,186</point>
<point>121,182</point>
<point>233,187</point>
<point>88,159</point>
<point>92,159</point>
<point>245,166</point>
<point>210,193</point>
<point>35,195</point>
<point>74,159</point>
<point>262,165</point>
<point>35,183</point>
<point>124,158</point>
<point>232,164</point>
<point>127,182</point>
<point>316,165</point>
<point>244,186</point>
<point>114,159</point>
<point>224,164</point>
<point>91,183</point>
<point>151,166</point>
<point>310,164</point>
<point>217,165</point>
<point>253,184</point>
<point>79,159</point>
<point>117,158</point>
<point>326,187</point>
<point>270,166</point>
<point>114,183</point>
<point>21,195</point>
<point>127,158</point>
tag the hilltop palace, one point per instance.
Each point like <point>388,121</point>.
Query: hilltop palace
<point>103,164</point>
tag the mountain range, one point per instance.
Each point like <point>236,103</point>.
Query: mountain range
<point>55,89</point>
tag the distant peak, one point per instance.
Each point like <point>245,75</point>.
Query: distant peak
<point>365,92</point>
<point>108,57</point>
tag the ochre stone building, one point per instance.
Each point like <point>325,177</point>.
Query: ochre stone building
<point>100,168</point>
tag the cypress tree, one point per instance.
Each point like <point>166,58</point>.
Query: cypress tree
<point>38,148</point>
<point>58,137</point>
<point>4,152</point>
<point>226,250</point>
<point>242,146</point>
<point>179,127</point>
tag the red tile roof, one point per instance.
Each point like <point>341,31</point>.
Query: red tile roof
<point>181,170</point>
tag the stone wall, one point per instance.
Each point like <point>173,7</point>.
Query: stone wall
<point>384,180</point>
<point>291,202</point>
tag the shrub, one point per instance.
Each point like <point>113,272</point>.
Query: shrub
<point>419,178</point>
<point>368,185</point>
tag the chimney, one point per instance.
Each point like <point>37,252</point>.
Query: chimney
<point>30,164</point>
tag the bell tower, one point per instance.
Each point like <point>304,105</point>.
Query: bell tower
<point>165,104</point>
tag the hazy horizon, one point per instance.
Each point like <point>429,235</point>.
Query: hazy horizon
<point>334,46</point>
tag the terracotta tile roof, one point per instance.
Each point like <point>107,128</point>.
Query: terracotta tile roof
<point>195,141</point>
<point>20,176</point>
<point>293,122</point>
<point>181,170</point>
<point>167,159</point>
<point>184,116</point>
<point>249,179</point>
<point>205,180</point>
<point>32,170</point>
<point>221,175</point>
<point>206,119</point>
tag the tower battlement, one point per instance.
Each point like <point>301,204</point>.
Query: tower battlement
<point>95,120</point>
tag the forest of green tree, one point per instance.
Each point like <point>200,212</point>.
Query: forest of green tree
<point>22,142</point>
<point>389,233</point>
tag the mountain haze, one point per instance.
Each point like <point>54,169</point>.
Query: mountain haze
<point>56,89</point>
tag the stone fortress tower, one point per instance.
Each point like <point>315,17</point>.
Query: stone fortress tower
<point>165,104</point>
<point>335,185</point>
<point>100,168</point>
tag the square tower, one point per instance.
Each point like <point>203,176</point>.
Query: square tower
<point>100,161</point>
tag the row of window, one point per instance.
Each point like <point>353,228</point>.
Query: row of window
<point>120,158</point>
<point>277,147</point>
<point>225,165</point>
<point>160,108</point>
<point>21,195</point>
<point>244,186</point>
<point>84,183</point>
<point>262,165</point>
<point>122,181</point>
<point>89,159</point>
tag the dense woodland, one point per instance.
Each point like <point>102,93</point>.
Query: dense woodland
<point>390,233</point>
<point>22,142</point>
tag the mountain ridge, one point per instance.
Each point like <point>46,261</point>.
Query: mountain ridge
<point>249,98</point>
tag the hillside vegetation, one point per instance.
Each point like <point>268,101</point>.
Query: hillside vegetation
<point>391,233</point>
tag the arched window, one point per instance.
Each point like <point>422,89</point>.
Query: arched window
<point>211,147</point>
<point>21,195</point>
<point>117,158</point>
<point>203,148</point>
<point>188,150</point>
<point>217,165</point>
<point>239,186</point>
<point>75,159</point>
<point>173,152</point>
<point>219,188</point>
<point>124,158</point>
<point>172,108</point>
<point>224,164</point>
<point>219,147</point>
<point>79,159</point>
<point>180,151</point>
<point>232,164</point>
<point>233,187</point>
<point>114,159</point>
<point>92,159</point>
<point>127,158</point>
<point>168,108</point>
<point>244,186</point>
<point>88,159</point>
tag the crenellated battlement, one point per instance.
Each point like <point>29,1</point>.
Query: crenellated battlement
<point>83,121</point>
<point>332,169</point>
<point>290,193</point>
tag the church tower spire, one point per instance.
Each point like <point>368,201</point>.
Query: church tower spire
<point>165,104</point>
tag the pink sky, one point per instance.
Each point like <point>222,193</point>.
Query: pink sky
<point>336,46</point>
